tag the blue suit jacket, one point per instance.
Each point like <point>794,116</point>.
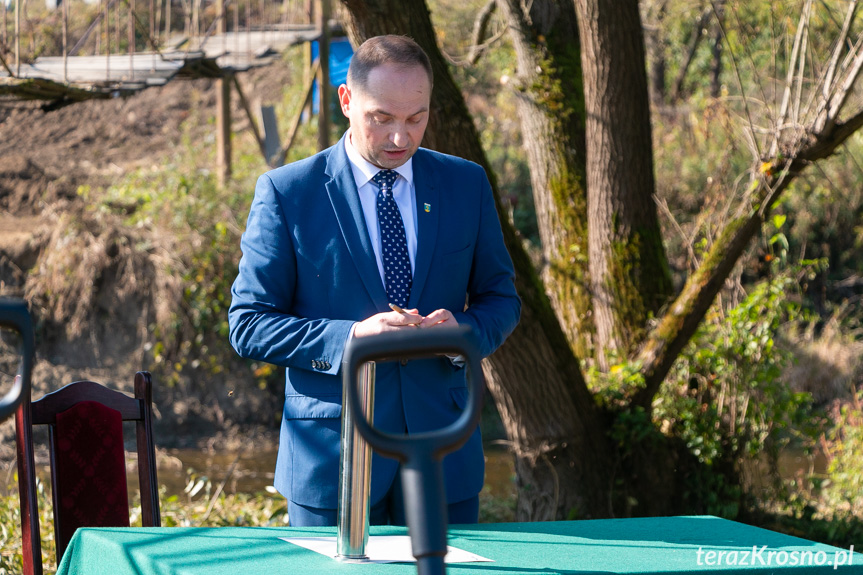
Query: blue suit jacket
<point>308,273</point>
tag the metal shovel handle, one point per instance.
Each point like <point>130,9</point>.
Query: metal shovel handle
<point>14,315</point>
<point>421,454</point>
<point>416,344</point>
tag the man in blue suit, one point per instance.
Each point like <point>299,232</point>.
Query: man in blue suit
<point>330,242</point>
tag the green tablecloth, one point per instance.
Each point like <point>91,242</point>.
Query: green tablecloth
<point>649,545</point>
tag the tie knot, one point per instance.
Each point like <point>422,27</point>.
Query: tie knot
<point>385,179</point>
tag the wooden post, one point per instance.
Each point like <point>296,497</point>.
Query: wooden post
<point>4,37</point>
<point>324,77</point>
<point>253,121</point>
<point>157,25</point>
<point>195,25</point>
<point>220,17</point>
<point>168,4</point>
<point>237,27</point>
<point>65,40</point>
<point>308,61</point>
<point>223,128</point>
<point>223,108</point>
<point>249,28</point>
<point>99,31</point>
<point>117,31</point>
<point>262,23</point>
<point>307,90</point>
<point>107,12</point>
<point>17,38</point>
<point>132,39</point>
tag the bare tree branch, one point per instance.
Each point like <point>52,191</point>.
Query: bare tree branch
<point>840,42</point>
<point>694,40</point>
<point>754,141</point>
<point>789,79</point>
<point>480,29</point>
<point>687,240</point>
<point>840,96</point>
<point>479,45</point>
<point>801,68</point>
<point>754,66</point>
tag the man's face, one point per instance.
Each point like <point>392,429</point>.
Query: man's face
<point>388,117</point>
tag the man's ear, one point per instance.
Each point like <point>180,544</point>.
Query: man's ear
<point>345,100</point>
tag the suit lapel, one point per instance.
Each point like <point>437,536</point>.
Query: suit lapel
<point>342,190</point>
<point>428,216</point>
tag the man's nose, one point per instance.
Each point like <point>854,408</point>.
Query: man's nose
<point>400,137</point>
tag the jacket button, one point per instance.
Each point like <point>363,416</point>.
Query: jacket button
<point>314,364</point>
<point>404,362</point>
<point>326,365</point>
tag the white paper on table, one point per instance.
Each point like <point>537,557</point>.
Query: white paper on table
<point>383,549</point>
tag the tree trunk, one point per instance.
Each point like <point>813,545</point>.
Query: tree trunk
<point>628,267</point>
<point>550,416</point>
<point>550,104</point>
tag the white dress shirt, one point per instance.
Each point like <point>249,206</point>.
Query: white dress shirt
<point>404,194</point>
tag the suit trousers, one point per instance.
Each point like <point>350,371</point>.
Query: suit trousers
<point>388,511</point>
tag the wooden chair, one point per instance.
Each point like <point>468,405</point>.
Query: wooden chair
<point>87,457</point>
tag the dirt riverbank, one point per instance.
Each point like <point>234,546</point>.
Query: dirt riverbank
<point>44,158</point>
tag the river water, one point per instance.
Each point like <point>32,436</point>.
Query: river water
<point>251,471</point>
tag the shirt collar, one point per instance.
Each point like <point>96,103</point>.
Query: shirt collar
<point>364,170</point>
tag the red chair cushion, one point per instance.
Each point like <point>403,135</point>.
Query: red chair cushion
<point>91,468</point>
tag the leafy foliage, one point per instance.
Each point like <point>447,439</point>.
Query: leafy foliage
<point>843,491</point>
<point>726,399</point>
<point>203,225</point>
<point>731,404</point>
<point>11,561</point>
<point>826,507</point>
<point>732,372</point>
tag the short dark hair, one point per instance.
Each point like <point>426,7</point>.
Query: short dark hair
<point>389,49</point>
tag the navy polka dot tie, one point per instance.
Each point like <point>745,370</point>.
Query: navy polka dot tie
<point>394,245</point>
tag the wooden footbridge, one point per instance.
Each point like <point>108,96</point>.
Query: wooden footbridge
<point>127,48</point>
<point>78,78</point>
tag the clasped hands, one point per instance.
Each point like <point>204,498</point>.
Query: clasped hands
<point>403,319</point>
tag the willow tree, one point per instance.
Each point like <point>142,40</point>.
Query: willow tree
<point>583,105</point>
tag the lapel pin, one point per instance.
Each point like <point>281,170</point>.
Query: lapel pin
<point>427,207</point>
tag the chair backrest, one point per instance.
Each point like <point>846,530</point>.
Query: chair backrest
<point>88,474</point>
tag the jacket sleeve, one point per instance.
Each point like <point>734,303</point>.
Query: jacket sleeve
<point>262,326</point>
<point>493,306</point>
